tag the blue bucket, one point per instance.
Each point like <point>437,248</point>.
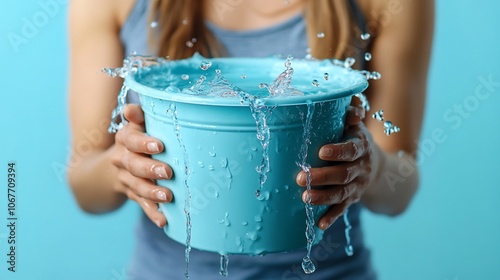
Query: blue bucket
<point>217,138</point>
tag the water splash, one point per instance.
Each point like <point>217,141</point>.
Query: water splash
<point>224,263</point>
<point>187,173</point>
<point>117,118</point>
<point>307,264</point>
<point>348,247</point>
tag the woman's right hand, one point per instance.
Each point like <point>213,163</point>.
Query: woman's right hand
<point>137,172</point>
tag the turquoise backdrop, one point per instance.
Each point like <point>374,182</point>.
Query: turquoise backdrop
<point>450,232</point>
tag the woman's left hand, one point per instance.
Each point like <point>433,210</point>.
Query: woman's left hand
<point>355,163</point>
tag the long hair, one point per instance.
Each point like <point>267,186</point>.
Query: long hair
<point>181,21</point>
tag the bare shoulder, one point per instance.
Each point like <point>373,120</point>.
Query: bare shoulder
<point>109,13</point>
<point>382,13</point>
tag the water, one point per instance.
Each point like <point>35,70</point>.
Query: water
<point>368,56</point>
<point>348,247</point>
<point>307,264</point>
<point>224,263</point>
<point>185,77</point>
<point>365,36</point>
<point>154,24</point>
<point>187,173</point>
<point>205,64</point>
<point>390,128</point>
<point>189,44</point>
<point>321,35</point>
<point>379,115</point>
<point>326,76</point>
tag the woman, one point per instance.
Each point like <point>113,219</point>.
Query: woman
<point>365,170</point>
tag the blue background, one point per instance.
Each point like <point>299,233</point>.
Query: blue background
<point>451,231</point>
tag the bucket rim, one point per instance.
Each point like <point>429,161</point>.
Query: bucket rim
<point>360,84</point>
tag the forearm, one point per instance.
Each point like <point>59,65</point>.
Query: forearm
<point>394,186</point>
<point>93,181</point>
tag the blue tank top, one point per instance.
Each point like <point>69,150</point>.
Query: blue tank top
<point>157,257</point>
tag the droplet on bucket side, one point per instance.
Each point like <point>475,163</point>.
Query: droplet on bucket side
<point>154,24</point>
<point>326,76</point>
<point>200,164</point>
<point>368,56</point>
<point>315,83</point>
<point>379,115</point>
<point>211,167</point>
<point>243,76</point>
<point>307,265</point>
<point>365,36</point>
<point>320,35</point>
<point>185,77</point>
<point>205,65</point>
<point>257,193</point>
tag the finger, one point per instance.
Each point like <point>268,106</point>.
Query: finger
<point>346,151</point>
<point>144,167</point>
<point>134,114</point>
<point>329,196</point>
<point>150,208</point>
<point>354,115</point>
<point>145,188</point>
<point>333,213</point>
<point>137,141</point>
<point>331,175</point>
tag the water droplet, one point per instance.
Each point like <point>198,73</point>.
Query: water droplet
<point>189,44</point>
<point>205,65</point>
<point>286,187</point>
<point>257,193</point>
<point>217,71</point>
<point>365,36</point>
<point>379,115</point>
<point>388,124</point>
<point>224,262</point>
<point>185,21</point>
<point>200,164</point>
<point>154,24</point>
<point>252,235</point>
<point>375,75</point>
<point>185,77</point>
<point>243,76</point>
<point>326,76</point>
<point>194,40</point>
<point>396,128</point>
<point>401,153</point>
<point>244,223</point>
<point>368,56</point>
<point>211,167</point>
<point>349,62</point>
<point>263,196</point>
<point>258,219</point>
<point>259,227</point>
<point>307,265</point>
<point>321,35</point>
<point>315,83</point>
<point>263,85</point>
<point>223,162</point>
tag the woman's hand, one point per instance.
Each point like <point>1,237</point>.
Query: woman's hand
<point>136,171</point>
<point>355,164</point>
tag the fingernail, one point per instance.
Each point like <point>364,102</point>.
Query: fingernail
<point>153,147</point>
<point>160,171</point>
<point>161,196</point>
<point>158,224</point>
<point>301,177</point>
<point>326,152</point>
